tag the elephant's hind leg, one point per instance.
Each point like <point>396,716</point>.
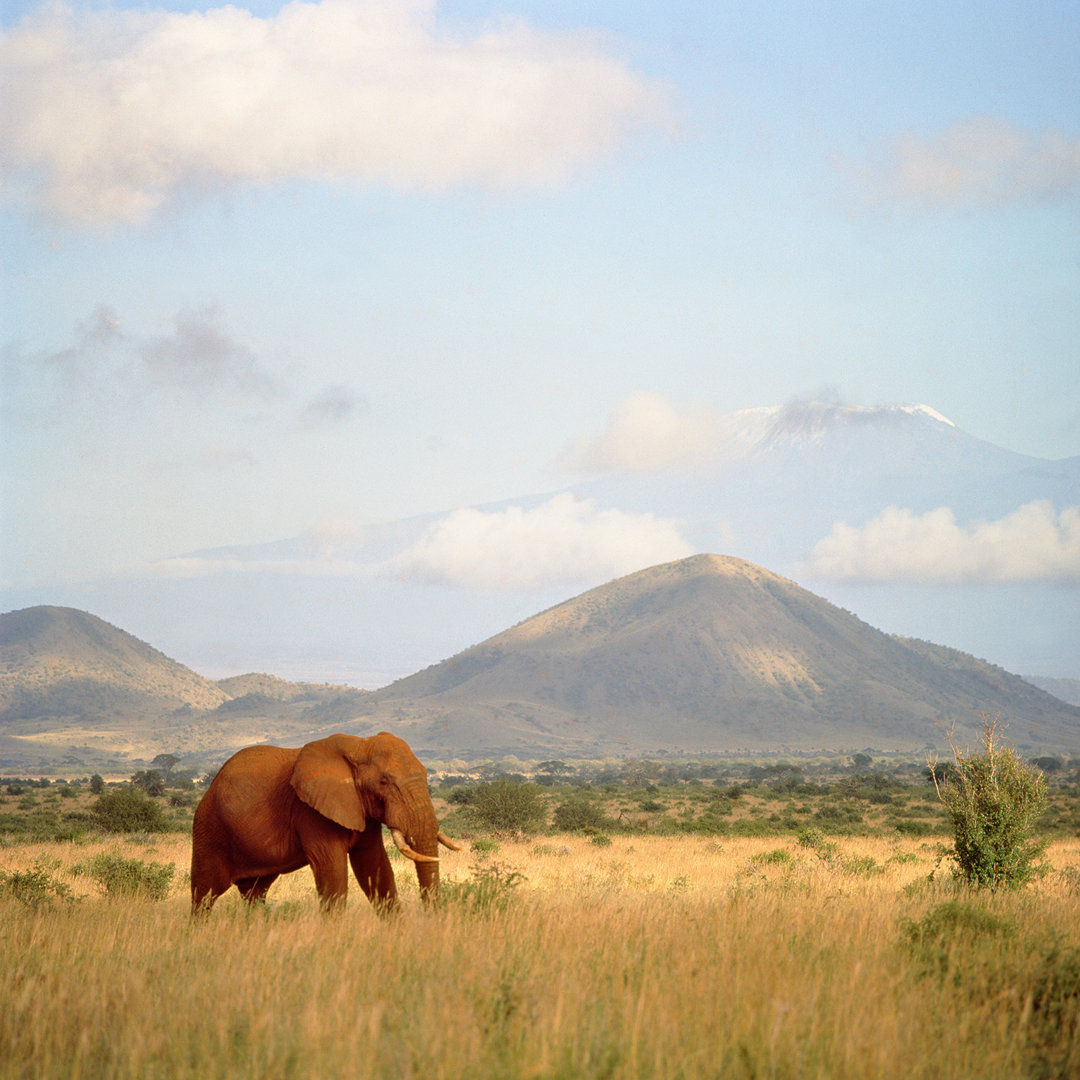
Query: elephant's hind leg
<point>253,889</point>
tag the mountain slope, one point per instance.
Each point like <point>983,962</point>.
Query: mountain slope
<point>77,691</point>
<point>775,482</point>
<point>711,653</point>
<point>68,661</point>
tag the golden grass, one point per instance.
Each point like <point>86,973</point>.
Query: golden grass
<point>666,958</point>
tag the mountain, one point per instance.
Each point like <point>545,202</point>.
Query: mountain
<point>83,666</point>
<point>1063,689</point>
<point>708,653</point>
<point>376,601</point>
<point>76,690</point>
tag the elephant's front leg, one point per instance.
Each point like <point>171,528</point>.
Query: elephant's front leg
<point>372,869</point>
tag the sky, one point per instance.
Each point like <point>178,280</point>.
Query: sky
<point>288,270</point>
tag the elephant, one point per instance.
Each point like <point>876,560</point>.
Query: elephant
<point>272,810</point>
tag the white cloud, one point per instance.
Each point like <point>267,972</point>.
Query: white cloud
<point>647,433</point>
<point>982,161</point>
<point>562,541</point>
<point>1031,544</point>
<point>110,114</point>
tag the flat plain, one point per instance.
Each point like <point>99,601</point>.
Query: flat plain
<point>624,955</point>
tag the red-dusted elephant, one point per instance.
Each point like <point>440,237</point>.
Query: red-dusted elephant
<point>270,811</point>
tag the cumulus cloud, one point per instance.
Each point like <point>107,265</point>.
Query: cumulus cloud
<point>110,114</point>
<point>1031,544</point>
<point>983,161</point>
<point>647,433</point>
<point>562,541</point>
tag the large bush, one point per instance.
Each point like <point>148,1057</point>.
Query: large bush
<point>127,810</point>
<point>993,799</point>
<point>120,877</point>
<point>508,806</point>
<point>580,815</point>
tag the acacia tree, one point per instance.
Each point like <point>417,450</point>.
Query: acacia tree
<point>993,800</point>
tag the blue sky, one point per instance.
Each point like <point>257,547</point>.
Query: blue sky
<point>278,270</point>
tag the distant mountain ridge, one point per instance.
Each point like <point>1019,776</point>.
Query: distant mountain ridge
<point>80,659</point>
<point>773,482</point>
<point>705,654</point>
<point>710,653</point>
<point>75,688</point>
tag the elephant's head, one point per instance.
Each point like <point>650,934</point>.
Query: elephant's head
<point>353,781</point>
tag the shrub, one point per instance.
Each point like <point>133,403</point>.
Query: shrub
<point>120,877</point>
<point>1054,993</point>
<point>978,951</point>
<point>993,799</point>
<point>580,815</point>
<point>936,937</point>
<point>150,780</point>
<point>127,810</point>
<point>35,887</point>
<point>508,806</point>
<point>490,889</point>
<point>750,827</point>
<point>771,858</point>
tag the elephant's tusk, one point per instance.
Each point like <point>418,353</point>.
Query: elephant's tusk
<point>448,843</point>
<point>403,847</point>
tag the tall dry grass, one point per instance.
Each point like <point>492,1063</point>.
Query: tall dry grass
<point>666,958</point>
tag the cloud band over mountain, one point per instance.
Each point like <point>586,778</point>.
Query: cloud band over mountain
<point>564,539</point>
<point>1032,544</point>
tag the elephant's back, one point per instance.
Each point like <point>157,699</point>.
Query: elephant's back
<point>249,777</point>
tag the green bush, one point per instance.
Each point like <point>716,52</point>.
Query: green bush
<point>490,889</point>
<point>128,810</point>
<point>120,877</point>
<point>150,780</point>
<point>1037,979</point>
<point>771,858</point>
<point>36,887</point>
<point>508,806</point>
<point>993,799</point>
<point>941,937</point>
<point>580,815</point>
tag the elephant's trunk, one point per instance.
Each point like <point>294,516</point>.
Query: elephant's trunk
<point>427,874</point>
<point>416,834</point>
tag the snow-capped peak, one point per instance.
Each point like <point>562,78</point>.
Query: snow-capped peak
<point>925,410</point>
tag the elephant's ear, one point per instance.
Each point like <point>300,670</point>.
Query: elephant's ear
<point>323,778</point>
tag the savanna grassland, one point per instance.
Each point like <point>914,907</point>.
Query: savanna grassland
<point>657,937</point>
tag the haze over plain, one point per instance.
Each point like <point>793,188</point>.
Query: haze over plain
<point>303,270</point>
